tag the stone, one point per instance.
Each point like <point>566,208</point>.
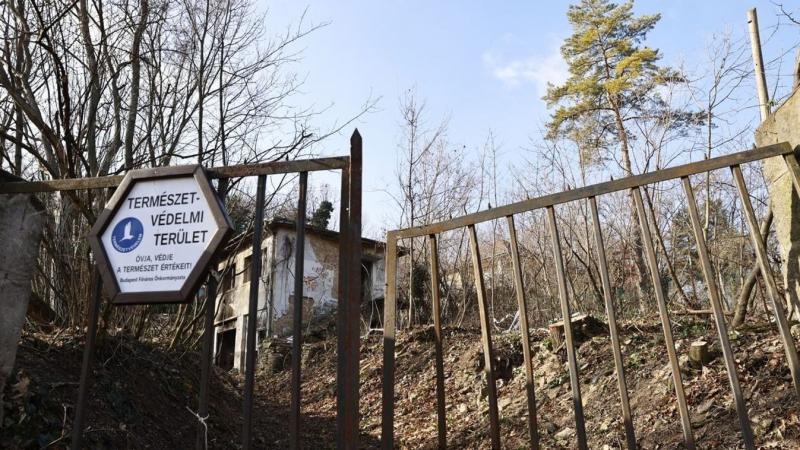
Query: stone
<point>781,126</point>
<point>21,224</point>
<point>566,433</point>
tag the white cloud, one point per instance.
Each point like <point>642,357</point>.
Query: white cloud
<point>537,70</point>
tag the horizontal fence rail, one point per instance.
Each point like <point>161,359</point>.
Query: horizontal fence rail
<point>594,190</point>
<point>240,170</point>
<point>634,186</point>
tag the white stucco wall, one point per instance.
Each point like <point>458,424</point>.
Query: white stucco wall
<point>277,282</point>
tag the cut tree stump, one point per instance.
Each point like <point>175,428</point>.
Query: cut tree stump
<point>699,354</point>
<point>584,327</point>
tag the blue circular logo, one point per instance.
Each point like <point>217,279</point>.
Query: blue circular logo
<point>127,234</point>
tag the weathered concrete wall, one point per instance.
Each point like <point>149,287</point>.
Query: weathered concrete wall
<point>20,232</point>
<point>320,278</point>
<point>784,126</point>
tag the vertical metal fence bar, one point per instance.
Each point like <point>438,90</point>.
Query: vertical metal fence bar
<point>341,313</point>
<point>349,310</point>
<point>627,419</point>
<point>658,288</point>
<point>201,434</point>
<point>441,415</point>
<point>766,272</point>
<point>297,319</point>
<point>88,356</point>
<point>201,437</point>
<point>252,312</point>
<point>719,318</point>
<point>486,339</point>
<point>572,360</point>
<point>389,325</point>
<point>522,305</point>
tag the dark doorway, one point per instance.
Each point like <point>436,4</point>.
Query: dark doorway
<point>226,345</point>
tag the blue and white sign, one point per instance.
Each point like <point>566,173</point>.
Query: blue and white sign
<point>127,234</point>
<point>158,234</point>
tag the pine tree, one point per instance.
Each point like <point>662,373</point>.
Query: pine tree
<point>322,215</point>
<point>614,79</point>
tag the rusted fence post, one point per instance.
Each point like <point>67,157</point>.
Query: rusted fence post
<point>572,359</point>
<point>627,419</point>
<point>297,319</point>
<point>441,415</point>
<point>348,314</point>
<point>252,312</point>
<point>88,357</point>
<point>772,289</point>
<point>201,439</point>
<point>486,338</point>
<point>719,317</point>
<point>389,333</point>
<point>652,263</point>
<point>522,307</point>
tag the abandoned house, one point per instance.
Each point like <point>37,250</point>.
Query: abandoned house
<point>276,286</point>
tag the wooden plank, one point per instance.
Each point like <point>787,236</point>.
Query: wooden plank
<point>719,317</point>
<point>652,263</point>
<point>572,359</point>
<point>297,319</point>
<point>389,329</point>
<point>441,414</point>
<point>486,339</point>
<point>522,307</point>
<point>599,189</point>
<point>627,419</point>
<point>240,170</point>
<point>769,280</point>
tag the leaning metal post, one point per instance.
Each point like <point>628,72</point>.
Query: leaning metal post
<point>205,363</point>
<point>88,355</point>
<point>441,414</point>
<point>389,325</point>
<point>201,440</point>
<point>348,314</point>
<point>252,311</point>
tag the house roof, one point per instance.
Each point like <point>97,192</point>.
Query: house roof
<point>244,239</point>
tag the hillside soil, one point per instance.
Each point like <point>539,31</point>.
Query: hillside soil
<point>143,397</point>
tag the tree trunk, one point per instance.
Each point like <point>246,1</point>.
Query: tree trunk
<point>740,309</point>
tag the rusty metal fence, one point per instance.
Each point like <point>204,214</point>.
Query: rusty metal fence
<point>634,185</point>
<point>348,312</point>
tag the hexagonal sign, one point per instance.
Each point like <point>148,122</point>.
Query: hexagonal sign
<point>157,235</point>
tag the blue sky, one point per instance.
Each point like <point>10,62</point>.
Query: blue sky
<point>482,64</point>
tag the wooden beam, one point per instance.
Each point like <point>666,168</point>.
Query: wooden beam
<point>241,170</point>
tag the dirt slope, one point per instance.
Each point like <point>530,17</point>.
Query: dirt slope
<point>764,376</point>
<point>140,394</point>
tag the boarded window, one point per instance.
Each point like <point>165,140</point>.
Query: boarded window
<point>229,279</point>
<point>247,269</point>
